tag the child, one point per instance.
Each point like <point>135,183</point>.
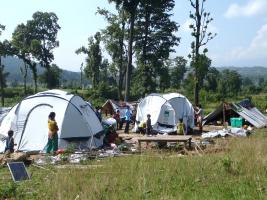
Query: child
<point>117,117</point>
<point>180,127</point>
<point>142,127</point>
<point>148,125</point>
<point>10,142</point>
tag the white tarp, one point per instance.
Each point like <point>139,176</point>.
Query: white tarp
<point>76,120</point>
<point>165,111</point>
<point>225,132</point>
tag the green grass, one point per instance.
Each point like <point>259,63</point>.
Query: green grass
<point>240,172</point>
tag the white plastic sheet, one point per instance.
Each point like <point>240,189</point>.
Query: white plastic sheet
<point>224,132</point>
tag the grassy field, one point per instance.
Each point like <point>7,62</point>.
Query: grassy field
<point>238,172</point>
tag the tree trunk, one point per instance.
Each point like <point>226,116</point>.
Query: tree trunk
<point>35,85</point>
<point>49,85</point>
<point>196,63</point>
<point>35,82</point>
<point>34,75</point>
<point>81,78</point>
<point>130,54</point>
<point>196,93</point>
<point>2,83</point>
<point>144,59</point>
<point>121,74</point>
<point>25,78</point>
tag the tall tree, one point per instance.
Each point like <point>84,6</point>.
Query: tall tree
<point>230,83</point>
<point>4,46</point>
<point>164,81</point>
<point>178,70</point>
<point>129,6</point>
<point>3,77</point>
<point>103,74</point>
<point>21,43</point>
<point>201,20</point>
<point>212,79</point>
<point>113,38</point>
<point>94,58</point>
<point>155,40</point>
<point>43,29</point>
<point>54,76</point>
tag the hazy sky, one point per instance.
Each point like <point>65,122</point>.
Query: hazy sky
<point>241,26</point>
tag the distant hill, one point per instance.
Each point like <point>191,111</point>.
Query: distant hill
<point>254,73</point>
<point>12,65</point>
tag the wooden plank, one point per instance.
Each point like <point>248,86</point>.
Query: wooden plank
<point>176,138</point>
<point>165,138</point>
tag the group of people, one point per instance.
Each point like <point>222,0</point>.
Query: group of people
<point>181,129</point>
<point>127,119</point>
<point>199,115</point>
<point>144,127</point>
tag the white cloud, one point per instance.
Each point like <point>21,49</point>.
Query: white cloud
<point>256,51</point>
<point>252,7</point>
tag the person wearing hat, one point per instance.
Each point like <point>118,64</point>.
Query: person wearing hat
<point>148,125</point>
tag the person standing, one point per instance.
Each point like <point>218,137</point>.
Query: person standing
<point>52,144</point>
<point>200,116</point>
<point>148,125</point>
<point>117,117</point>
<point>127,119</point>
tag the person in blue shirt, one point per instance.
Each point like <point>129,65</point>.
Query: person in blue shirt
<point>128,115</point>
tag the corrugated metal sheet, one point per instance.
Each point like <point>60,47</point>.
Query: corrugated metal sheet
<point>211,116</point>
<point>252,115</point>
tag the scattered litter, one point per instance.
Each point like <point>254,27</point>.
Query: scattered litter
<point>205,142</point>
<point>124,147</point>
<point>77,158</point>
<point>77,197</point>
<point>78,166</point>
<point>41,161</point>
<point>109,153</point>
